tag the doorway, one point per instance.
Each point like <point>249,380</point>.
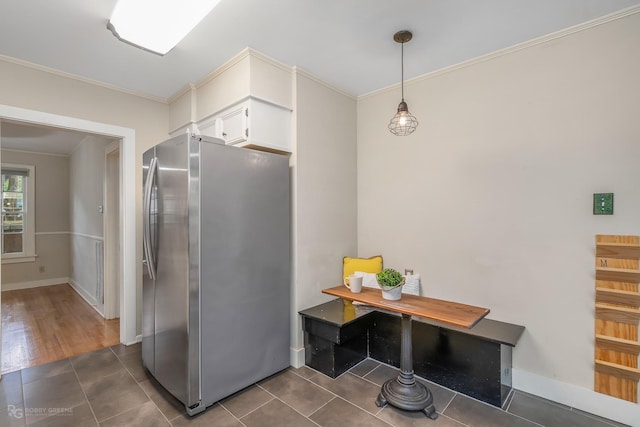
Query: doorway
<point>127,221</point>
<point>54,301</point>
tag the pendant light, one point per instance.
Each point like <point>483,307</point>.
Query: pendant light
<point>403,123</point>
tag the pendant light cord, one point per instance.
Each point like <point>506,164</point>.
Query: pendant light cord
<point>402,69</point>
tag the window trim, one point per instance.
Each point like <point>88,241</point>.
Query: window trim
<point>28,253</point>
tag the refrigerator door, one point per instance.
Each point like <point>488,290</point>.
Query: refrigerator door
<point>148,284</point>
<point>245,274</point>
<point>172,335</point>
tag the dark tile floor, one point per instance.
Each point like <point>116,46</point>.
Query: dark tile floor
<point>109,387</point>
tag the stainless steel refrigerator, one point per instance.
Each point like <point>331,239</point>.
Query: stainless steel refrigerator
<point>216,282</point>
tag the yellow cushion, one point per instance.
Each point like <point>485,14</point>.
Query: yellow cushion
<point>366,265</point>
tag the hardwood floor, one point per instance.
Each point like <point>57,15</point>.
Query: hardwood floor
<point>40,325</point>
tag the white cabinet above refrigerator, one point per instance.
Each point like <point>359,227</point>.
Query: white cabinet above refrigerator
<point>251,123</point>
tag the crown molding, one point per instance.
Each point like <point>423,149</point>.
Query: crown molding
<point>511,49</point>
<point>269,60</point>
<point>244,53</point>
<point>304,73</point>
<point>76,77</point>
<point>255,54</point>
<point>224,67</point>
<point>185,89</point>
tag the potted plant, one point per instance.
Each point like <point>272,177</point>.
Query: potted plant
<point>390,281</point>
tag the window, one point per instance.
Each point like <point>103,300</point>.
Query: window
<point>18,215</point>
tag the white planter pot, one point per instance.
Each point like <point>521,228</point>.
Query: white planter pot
<point>392,294</point>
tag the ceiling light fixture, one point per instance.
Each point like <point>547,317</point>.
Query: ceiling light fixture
<point>157,26</point>
<point>403,123</point>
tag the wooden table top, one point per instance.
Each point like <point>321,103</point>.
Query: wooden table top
<point>448,312</point>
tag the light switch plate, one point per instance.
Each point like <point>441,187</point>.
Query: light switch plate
<point>603,204</point>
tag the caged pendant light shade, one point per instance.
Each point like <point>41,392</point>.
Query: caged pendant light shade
<point>403,123</point>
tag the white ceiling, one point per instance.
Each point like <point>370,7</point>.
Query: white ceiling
<point>347,43</point>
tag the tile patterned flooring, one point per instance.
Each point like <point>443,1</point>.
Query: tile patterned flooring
<point>109,387</point>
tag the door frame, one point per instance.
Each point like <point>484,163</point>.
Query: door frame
<point>129,222</point>
<point>111,191</point>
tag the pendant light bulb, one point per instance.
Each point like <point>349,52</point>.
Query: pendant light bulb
<point>403,123</point>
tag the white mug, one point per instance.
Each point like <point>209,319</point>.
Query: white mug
<point>354,283</point>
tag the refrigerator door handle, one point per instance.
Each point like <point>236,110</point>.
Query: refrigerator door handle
<point>146,238</point>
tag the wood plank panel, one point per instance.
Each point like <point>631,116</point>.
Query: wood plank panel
<point>618,250</point>
<point>617,296</point>
<point>618,274</point>
<point>41,325</point>
<point>620,371</point>
<point>618,344</point>
<point>448,312</point>
<point>618,314</point>
<point>617,238</point>
<point>616,387</point>
<point>614,329</point>
<point>631,264</point>
<point>616,261</point>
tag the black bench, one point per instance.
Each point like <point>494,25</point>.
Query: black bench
<point>476,362</point>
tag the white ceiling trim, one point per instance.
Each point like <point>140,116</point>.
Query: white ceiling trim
<point>511,49</point>
<point>310,76</point>
<point>71,76</point>
<point>250,52</point>
<point>224,67</point>
<point>185,89</point>
<point>190,86</point>
<point>269,60</point>
<point>244,53</point>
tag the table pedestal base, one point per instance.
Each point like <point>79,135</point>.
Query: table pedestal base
<point>407,394</point>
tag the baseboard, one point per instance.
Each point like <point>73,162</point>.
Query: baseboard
<point>90,299</point>
<point>34,284</point>
<point>137,340</point>
<point>296,357</point>
<point>578,397</point>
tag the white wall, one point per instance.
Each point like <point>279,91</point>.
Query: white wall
<point>491,198</point>
<point>86,173</point>
<point>324,192</point>
<point>52,222</point>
